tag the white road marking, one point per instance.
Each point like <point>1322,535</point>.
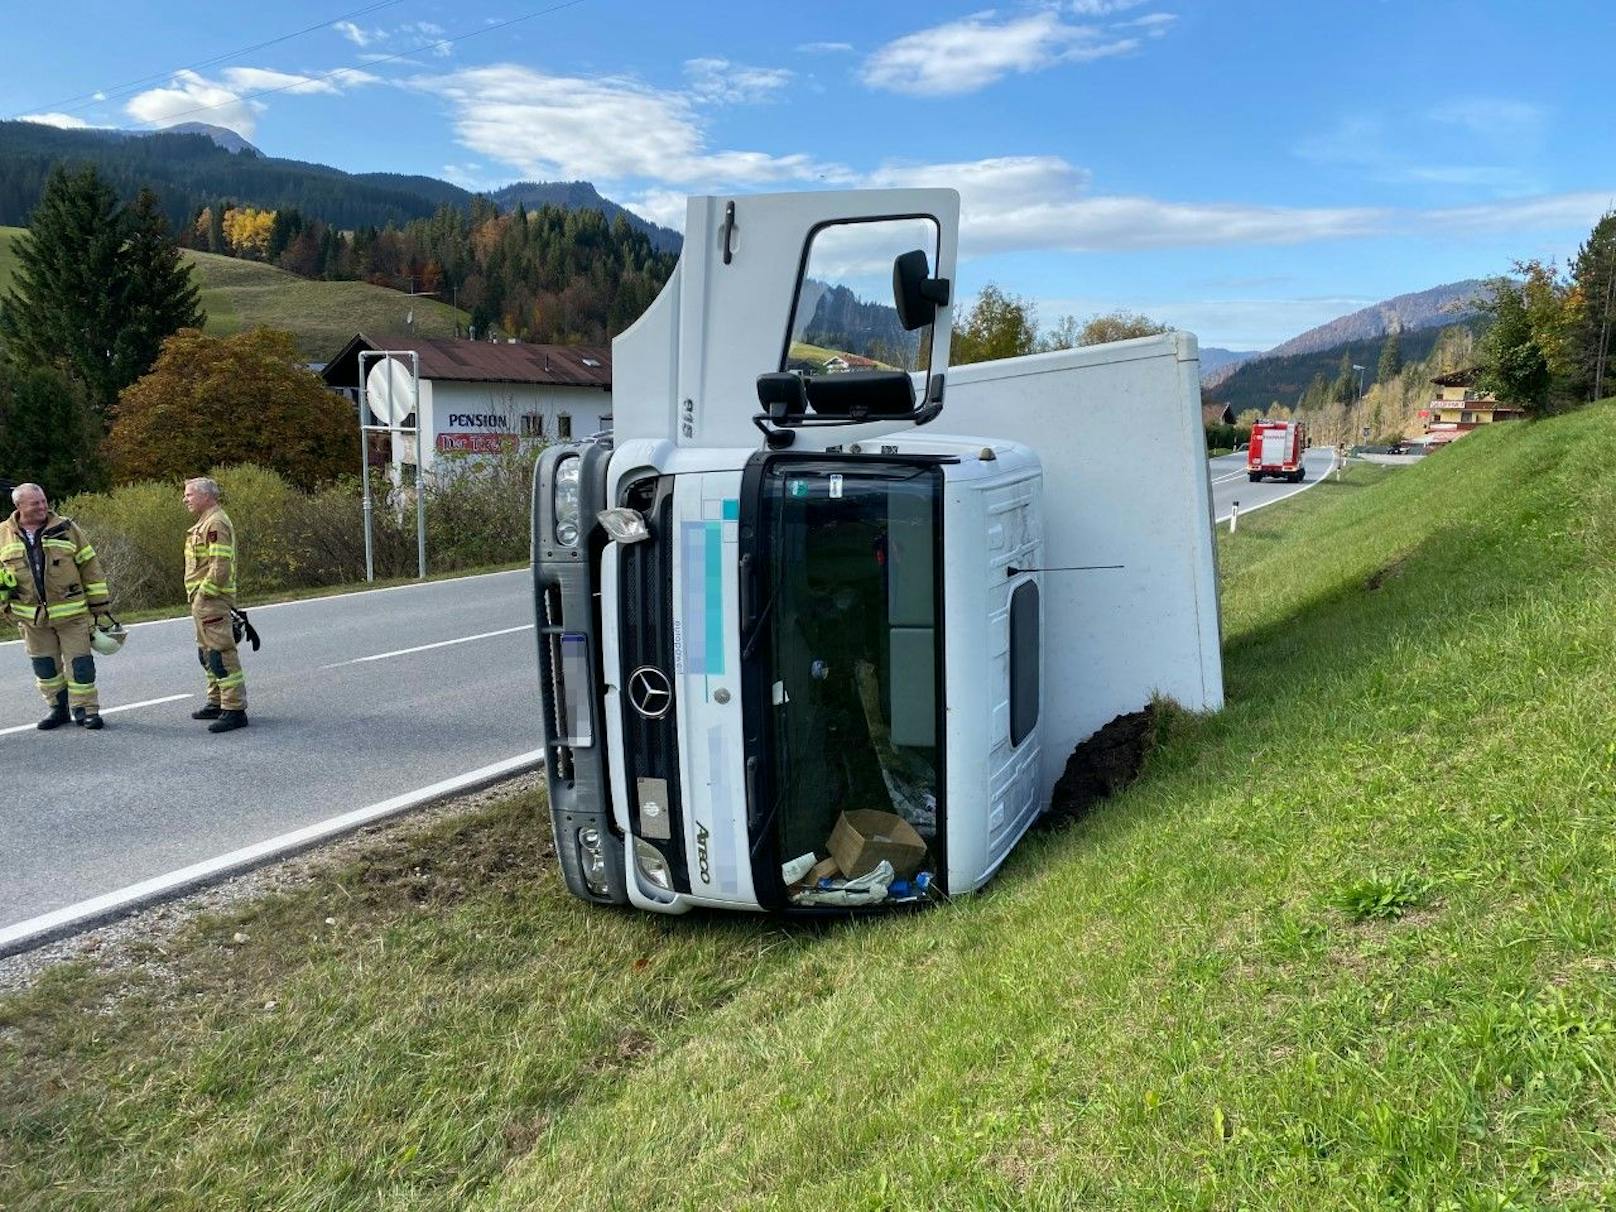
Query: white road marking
<point>324,597</point>
<point>465,639</point>
<point>48,926</point>
<point>171,698</point>
<point>1302,487</point>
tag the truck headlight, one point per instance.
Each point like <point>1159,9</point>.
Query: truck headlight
<point>564,499</point>
<point>592,858</point>
<point>652,865</point>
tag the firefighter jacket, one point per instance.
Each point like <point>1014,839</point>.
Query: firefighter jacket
<point>53,577</point>
<point>210,557</point>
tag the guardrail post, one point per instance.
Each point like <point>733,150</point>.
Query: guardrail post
<point>1234,515</point>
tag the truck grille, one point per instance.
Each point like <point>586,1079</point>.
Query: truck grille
<point>651,749</point>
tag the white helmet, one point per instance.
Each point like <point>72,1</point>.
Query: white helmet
<point>107,637</point>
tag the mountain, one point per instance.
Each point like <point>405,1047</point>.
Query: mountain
<point>223,136</point>
<point>1263,381</point>
<point>1436,307</point>
<point>195,165</point>
<point>1217,364</point>
<point>581,195</point>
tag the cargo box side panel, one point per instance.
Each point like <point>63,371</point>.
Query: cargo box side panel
<point>1118,431</point>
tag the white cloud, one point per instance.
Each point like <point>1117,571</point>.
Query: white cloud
<point>824,48</point>
<point>1237,323</point>
<point>1101,8</point>
<point>100,96</point>
<point>52,118</point>
<point>1155,25</point>
<point>260,79</point>
<point>605,130</point>
<point>1042,203</point>
<point>356,34</point>
<point>191,98</point>
<point>421,35</point>
<point>663,206</point>
<point>719,80</point>
<point>229,101</point>
<point>966,55</point>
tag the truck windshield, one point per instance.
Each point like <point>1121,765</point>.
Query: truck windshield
<point>848,633</point>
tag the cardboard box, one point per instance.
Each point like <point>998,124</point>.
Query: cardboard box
<point>865,836</point>
<point>825,868</point>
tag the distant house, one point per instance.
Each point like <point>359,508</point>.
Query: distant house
<point>847,361</point>
<point>482,396</point>
<point>1217,414</point>
<point>1458,406</point>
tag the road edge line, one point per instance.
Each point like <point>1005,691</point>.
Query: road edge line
<point>73,919</point>
<point>1276,500</point>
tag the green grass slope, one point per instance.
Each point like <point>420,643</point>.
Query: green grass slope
<point>322,315</point>
<point>1346,944</point>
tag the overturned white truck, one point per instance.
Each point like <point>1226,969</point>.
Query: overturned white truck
<point>784,602</point>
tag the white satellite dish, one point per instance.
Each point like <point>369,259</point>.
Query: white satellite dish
<point>390,391</point>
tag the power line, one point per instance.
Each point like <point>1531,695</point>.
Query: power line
<point>303,81</point>
<point>100,94</point>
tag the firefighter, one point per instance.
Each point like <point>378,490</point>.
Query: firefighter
<point>210,584</point>
<point>51,584</point>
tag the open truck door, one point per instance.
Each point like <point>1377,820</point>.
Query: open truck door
<point>760,278</point>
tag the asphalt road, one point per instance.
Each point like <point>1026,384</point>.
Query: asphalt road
<point>1230,482</point>
<point>353,699</point>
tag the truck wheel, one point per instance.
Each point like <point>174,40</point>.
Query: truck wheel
<point>1301,474</point>
<point>1255,476</point>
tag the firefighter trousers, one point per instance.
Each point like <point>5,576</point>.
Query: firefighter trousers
<point>64,666</point>
<point>216,651</point>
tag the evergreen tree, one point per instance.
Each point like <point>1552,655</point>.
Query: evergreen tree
<point>1391,358</point>
<point>1593,337</point>
<point>64,307</point>
<point>1345,388</point>
<point>48,435</point>
<point>216,241</point>
<point>159,298</point>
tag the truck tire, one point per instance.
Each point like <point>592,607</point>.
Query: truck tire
<point>1301,474</point>
<point>1255,476</point>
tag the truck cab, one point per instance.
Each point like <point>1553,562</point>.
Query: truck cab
<point>777,606</point>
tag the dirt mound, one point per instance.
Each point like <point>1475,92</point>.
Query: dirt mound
<point>1102,765</point>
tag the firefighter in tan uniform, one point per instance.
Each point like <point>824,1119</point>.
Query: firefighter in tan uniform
<point>210,584</point>
<point>52,585</point>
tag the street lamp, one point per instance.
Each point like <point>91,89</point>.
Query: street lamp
<point>1360,371</point>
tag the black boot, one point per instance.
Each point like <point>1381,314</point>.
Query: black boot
<point>93,721</point>
<point>209,712</point>
<point>229,721</point>
<point>78,716</point>
<point>55,719</point>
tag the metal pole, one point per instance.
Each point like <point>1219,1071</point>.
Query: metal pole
<point>364,470</point>
<point>420,474</point>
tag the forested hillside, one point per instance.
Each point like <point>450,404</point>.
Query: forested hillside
<point>191,171</point>
<point>1285,381</point>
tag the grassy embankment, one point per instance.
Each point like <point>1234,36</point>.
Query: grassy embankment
<point>1345,944</point>
<point>322,315</point>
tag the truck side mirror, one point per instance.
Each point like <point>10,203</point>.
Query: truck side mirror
<point>784,396</point>
<point>915,292</point>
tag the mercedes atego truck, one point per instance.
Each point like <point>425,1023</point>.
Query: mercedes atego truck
<point>823,618</point>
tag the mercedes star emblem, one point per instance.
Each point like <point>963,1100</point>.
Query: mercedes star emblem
<point>650,692</point>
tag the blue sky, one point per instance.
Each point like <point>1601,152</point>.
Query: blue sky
<point>1244,170</point>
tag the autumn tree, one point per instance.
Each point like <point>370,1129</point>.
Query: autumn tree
<point>1514,366</point>
<point>1118,326</point>
<point>998,325</point>
<point>245,398</point>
